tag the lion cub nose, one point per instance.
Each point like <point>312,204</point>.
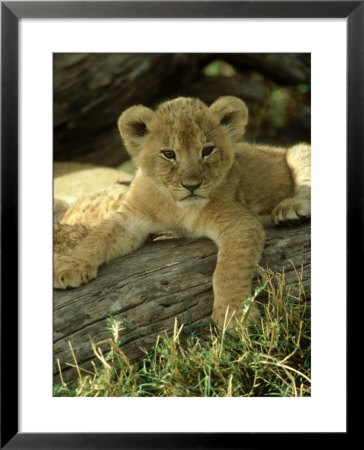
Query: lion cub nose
<point>191,187</point>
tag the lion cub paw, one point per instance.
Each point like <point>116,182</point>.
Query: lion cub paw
<point>228,318</point>
<point>68,273</point>
<point>291,210</point>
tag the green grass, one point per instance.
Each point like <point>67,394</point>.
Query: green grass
<point>267,359</point>
<point>128,166</point>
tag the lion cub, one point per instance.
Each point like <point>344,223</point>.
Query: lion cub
<point>197,177</point>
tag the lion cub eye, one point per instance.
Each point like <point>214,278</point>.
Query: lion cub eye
<point>206,151</point>
<point>169,154</point>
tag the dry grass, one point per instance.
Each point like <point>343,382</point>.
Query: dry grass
<point>271,358</point>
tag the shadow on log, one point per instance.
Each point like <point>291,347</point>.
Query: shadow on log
<point>91,90</point>
<point>148,288</point>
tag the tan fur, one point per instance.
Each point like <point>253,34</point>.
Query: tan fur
<point>232,186</point>
<point>73,180</point>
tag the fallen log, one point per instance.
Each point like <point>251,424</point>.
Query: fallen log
<point>148,288</point>
<point>92,90</point>
<point>291,68</point>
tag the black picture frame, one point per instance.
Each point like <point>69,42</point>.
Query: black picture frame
<point>11,13</point>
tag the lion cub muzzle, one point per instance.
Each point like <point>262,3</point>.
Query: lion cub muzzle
<point>191,186</point>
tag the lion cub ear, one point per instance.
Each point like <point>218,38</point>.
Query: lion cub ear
<point>133,125</point>
<point>232,114</point>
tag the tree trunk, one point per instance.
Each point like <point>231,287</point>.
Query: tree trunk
<point>92,90</point>
<point>148,288</point>
<point>292,68</point>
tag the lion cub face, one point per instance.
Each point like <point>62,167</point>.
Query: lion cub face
<point>185,147</point>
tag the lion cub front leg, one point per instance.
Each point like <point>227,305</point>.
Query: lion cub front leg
<point>240,245</point>
<point>298,207</point>
<point>114,237</point>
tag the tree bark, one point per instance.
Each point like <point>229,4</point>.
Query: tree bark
<point>148,288</point>
<point>92,90</point>
<point>291,68</point>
